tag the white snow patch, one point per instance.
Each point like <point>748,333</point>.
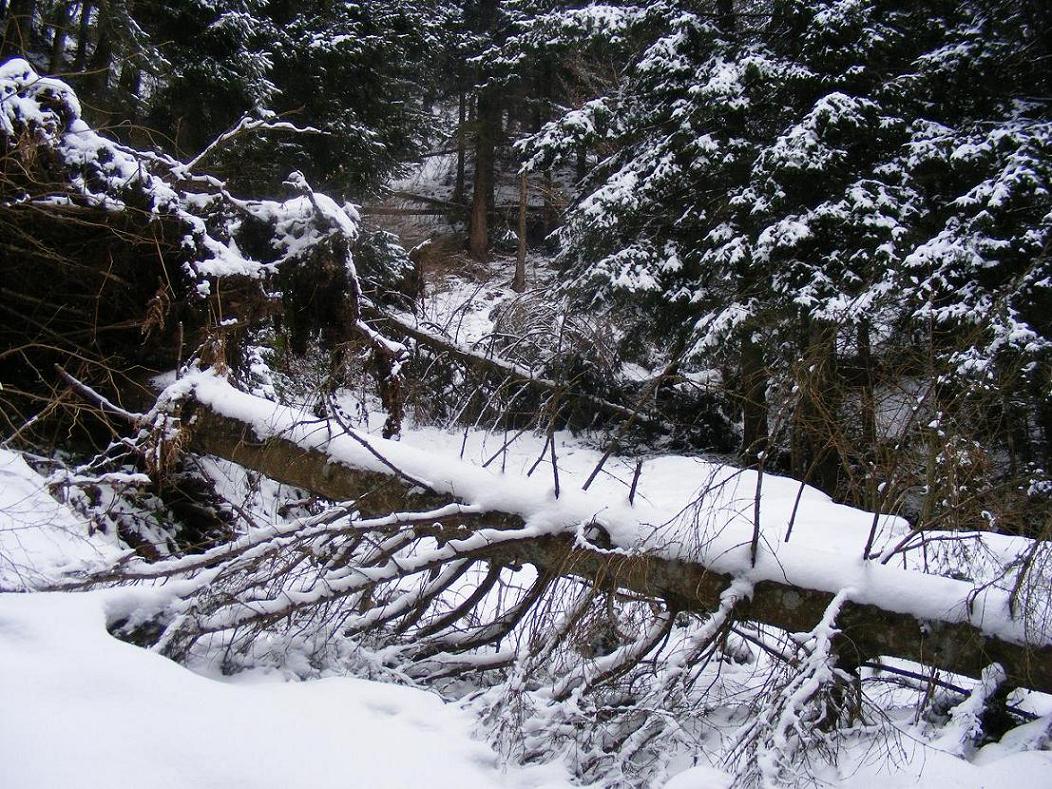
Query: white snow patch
<point>83,709</point>
<point>40,539</point>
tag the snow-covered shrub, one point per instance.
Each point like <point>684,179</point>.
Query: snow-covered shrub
<point>181,270</point>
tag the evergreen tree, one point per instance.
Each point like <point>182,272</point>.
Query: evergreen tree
<point>215,66</point>
<point>181,73</point>
<point>848,179</point>
<point>363,74</point>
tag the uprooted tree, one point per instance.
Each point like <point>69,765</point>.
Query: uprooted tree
<point>612,627</point>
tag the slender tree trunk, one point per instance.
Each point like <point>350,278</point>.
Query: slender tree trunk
<point>63,19</point>
<point>753,398</point>
<point>725,15</point>
<point>816,451</point>
<point>827,443</point>
<point>487,123</point>
<point>101,63</point>
<point>548,212</point>
<point>1043,418</point>
<point>487,116</point>
<point>462,118</point>
<point>868,414</point>
<point>131,79</point>
<point>518,284</point>
<point>83,35</point>
<point>545,80</point>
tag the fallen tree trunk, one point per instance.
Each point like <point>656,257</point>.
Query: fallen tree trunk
<point>390,210</point>
<point>502,369</point>
<point>266,438</point>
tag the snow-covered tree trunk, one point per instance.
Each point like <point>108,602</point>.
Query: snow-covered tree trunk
<point>898,621</point>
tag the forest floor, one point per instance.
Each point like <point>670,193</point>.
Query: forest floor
<point>81,708</point>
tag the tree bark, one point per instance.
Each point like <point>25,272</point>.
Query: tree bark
<point>84,34</point>
<point>458,186</point>
<point>867,631</point>
<point>101,63</point>
<point>725,16</point>
<point>753,398</point>
<point>62,20</point>
<point>487,118</point>
<point>518,283</point>
<point>487,127</point>
<point>816,444</point>
<point>19,29</point>
<point>868,416</point>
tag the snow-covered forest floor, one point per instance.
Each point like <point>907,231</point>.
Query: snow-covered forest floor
<point>82,708</point>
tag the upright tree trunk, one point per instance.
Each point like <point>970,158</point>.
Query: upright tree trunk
<point>487,117</point>
<point>487,124</point>
<point>548,212</point>
<point>816,451</point>
<point>131,80</point>
<point>868,415</point>
<point>83,35</point>
<point>518,284</point>
<point>18,29</point>
<point>545,80</point>
<point>462,118</point>
<point>725,15</point>
<point>753,398</point>
<point>101,63</point>
<point>62,21</point>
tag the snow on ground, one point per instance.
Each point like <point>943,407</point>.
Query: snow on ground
<point>463,302</point>
<point>78,708</point>
<point>917,766</point>
<point>463,309</point>
<point>39,538</point>
<point>82,709</point>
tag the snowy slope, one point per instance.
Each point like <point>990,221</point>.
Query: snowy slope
<point>78,708</point>
<point>39,538</point>
<point>81,709</point>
